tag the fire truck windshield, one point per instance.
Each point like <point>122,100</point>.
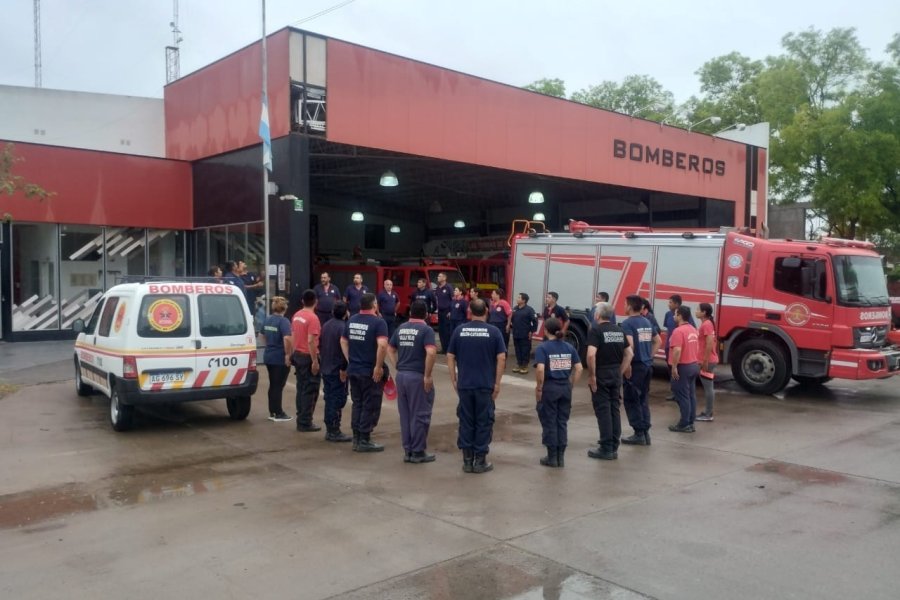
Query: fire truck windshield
<point>859,281</point>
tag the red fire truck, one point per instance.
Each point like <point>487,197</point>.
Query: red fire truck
<point>811,311</point>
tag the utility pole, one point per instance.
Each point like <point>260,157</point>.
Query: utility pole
<point>37,43</point>
<point>173,56</point>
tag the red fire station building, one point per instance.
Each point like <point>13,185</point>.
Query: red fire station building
<point>372,151</point>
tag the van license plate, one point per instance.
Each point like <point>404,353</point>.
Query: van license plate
<point>169,377</point>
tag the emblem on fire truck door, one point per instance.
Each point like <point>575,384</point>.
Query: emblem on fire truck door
<point>797,314</point>
<point>735,261</point>
<point>732,282</point>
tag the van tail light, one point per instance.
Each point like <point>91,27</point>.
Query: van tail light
<point>129,367</point>
<point>252,365</point>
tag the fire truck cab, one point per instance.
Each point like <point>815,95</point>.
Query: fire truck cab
<point>784,309</point>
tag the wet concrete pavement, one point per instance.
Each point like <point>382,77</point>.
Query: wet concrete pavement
<point>791,496</point>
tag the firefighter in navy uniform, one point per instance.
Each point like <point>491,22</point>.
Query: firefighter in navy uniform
<point>424,293</point>
<point>412,351</point>
<point>558,369</point>
<point>477,349</point>
<point>645,342</point>
<point>364,344</point>
<point>387,305</point>
<point>443,299</point>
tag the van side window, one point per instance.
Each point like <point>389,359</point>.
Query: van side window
<point>95,318</point>
<point>221,315</point>
<point>106,319</point>
<point>164,316</point>
<point>805,277</point>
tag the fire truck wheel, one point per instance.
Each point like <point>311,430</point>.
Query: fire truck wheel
<point>576,336</point>
<point>121,416</point>
<point>81,388</point>
<point>238,407</point>
<point>760,366</point>
<point>810,381</point>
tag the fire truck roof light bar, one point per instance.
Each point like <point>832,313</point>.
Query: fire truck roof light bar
<point>842,243</point>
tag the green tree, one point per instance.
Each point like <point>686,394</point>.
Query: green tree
<point>12,184</point>
<point>550,87</point>
<point>637,95</point>
<point>728,88</point>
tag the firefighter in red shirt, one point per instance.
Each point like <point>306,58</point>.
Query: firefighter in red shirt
<point>684,356</point>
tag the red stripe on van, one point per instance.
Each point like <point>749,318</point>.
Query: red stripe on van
<point>201,377</point>
<point>238,377</point>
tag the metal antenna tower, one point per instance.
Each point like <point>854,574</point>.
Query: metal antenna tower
<point>173,58</point>
<point>37,43</point>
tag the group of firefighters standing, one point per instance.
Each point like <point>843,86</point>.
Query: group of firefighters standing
<point>347,342</point>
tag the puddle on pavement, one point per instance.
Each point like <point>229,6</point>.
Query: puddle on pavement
<point>27,508</point>
<point>31,508</point>
<point>799,473</point>
<point>496,574</point>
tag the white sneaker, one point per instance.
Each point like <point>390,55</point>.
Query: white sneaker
<point>703,417</point>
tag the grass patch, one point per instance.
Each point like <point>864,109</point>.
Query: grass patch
<point>7,388</point>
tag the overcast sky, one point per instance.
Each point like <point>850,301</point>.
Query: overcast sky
<point>117,46</point>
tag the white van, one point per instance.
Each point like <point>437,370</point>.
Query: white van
<point>167,341</point>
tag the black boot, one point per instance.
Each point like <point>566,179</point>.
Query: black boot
<point>481,465</point>
<point>367,445</point>
<point>561,456</point>
<point>355,440</point>
<point>407,456</point>
<point>601,454</point>
<point>334,434</point>
<point>468,459</point>
<point>550,460</point>
<point>637,439</point>
<point>421,456</point>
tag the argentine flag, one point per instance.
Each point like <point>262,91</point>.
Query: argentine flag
<point>264,134</point>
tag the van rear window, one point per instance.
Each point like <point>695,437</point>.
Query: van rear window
<point>164,316</point>
<point>221,315</point>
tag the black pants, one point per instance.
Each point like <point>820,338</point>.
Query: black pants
<point>445,328</point>
<point>278,375</point>
<point>476,420</point>
<point>553,411</point>
<point>307,389</point>
<point>366,396</point>
<point>606,407</point>
<point>636,400</point>
<point>523,350</point>
<point>335,392</point>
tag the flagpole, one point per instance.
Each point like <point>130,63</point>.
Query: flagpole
<point>265,101</point>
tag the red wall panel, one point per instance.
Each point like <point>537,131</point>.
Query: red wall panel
<point>102,188</point>
<point>385,101</point>
<point>217,108</point>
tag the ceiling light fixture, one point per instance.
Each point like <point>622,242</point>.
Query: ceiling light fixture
<point>395,229</point>
<point>535,198</point>
<point>538,216</point>
<point>357,216</point>
<point>388,179</point>
<point>459,224</point>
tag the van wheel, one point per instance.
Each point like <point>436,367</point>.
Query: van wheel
<point>238,407</point>
<point>81,388</point>
<point>121,416</point>
<point>760,367</point>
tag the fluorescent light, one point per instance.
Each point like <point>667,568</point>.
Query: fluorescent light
<point>357,216</point>
<point>535,198</point>
<point>538,217</point>
<point>459,224</point>
<point>395,229</point>
<point>388,179</point>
